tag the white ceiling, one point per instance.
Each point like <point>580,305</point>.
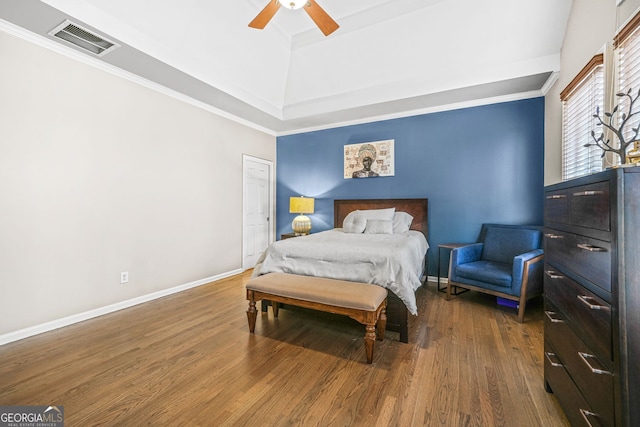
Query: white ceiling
<point>388,58</point>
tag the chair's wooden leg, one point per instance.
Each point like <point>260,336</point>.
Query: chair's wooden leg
<point>382,324</point>
<point>276,308</point>
<point>369,341</point>
<point>523,303</point>
<point>252,313</point>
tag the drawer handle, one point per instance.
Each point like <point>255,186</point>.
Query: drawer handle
<point>556,196</point>
<point>553,317</point>
<point>591,248</point>
<point>587,193</point>
<point>554,236</point>
<point>591,302</point>
<point>553,359</point>
<point>586,415</point>
<point>585,358</point>
<point>553,274</point>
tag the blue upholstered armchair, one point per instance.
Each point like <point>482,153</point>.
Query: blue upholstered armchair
<point>506,262</point>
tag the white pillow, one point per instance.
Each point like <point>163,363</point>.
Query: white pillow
<point>354,223</point>
<point>379,226</point>
<point>385,214</point>
<point>401,222</point>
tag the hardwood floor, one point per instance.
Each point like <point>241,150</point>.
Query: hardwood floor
<point>189,359</point>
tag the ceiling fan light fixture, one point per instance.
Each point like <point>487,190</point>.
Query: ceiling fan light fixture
<point>292,4</point>
<point>313,9</point>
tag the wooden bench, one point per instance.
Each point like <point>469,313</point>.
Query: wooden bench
<point>360,301</point>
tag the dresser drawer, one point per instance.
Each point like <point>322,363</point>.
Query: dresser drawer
<point>572,401</point>
<point>556,207</point>
<point>590,206</point>
<point>587,314</point>
<point>583,206</point>
<point>586,257</point>
<point>592,377</point>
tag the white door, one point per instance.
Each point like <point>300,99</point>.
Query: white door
<point>256,209</point>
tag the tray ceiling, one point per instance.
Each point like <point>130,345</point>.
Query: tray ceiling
<point>388,58</point>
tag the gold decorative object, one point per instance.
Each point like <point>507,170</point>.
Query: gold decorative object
<point>633,156</point>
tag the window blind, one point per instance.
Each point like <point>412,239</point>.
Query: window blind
<point>627,44</point>
<point>580,99</point>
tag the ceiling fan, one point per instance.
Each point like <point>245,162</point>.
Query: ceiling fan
<point>319,16</point>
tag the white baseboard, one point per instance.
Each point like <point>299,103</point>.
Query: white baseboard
<point>76,318</point>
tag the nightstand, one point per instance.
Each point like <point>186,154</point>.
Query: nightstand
<point>287,236</point>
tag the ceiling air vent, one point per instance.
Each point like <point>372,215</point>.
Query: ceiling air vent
<point>83,38</point>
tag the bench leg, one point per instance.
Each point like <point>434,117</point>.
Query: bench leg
<point>276,308</point>
<point>382,324</point>
<point>369,341</point>
<point>252,313</point>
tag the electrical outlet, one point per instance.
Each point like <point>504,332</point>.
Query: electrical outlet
<point>124,277</point>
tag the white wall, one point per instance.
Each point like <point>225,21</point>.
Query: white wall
<point>592,25</point>
<point>100,175</point>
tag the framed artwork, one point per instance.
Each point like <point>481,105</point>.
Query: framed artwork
<point>369,159</point>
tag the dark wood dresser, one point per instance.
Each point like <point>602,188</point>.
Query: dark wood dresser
<point>592,297</point>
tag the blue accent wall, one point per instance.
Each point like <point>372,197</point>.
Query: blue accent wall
<point>475,165</point>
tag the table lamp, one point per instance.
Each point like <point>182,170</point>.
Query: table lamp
<point>301,205</point>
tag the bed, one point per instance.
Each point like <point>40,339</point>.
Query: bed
<point>394,261</point>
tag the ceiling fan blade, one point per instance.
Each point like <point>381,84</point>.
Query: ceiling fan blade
<point>263,18</point>
<point>321,18</point>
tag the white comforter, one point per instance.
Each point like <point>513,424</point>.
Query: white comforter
<point>394,261</point>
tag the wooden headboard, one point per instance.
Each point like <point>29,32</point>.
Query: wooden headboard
<point>417,208</point>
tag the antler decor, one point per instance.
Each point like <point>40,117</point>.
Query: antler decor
<point>605,146</point>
